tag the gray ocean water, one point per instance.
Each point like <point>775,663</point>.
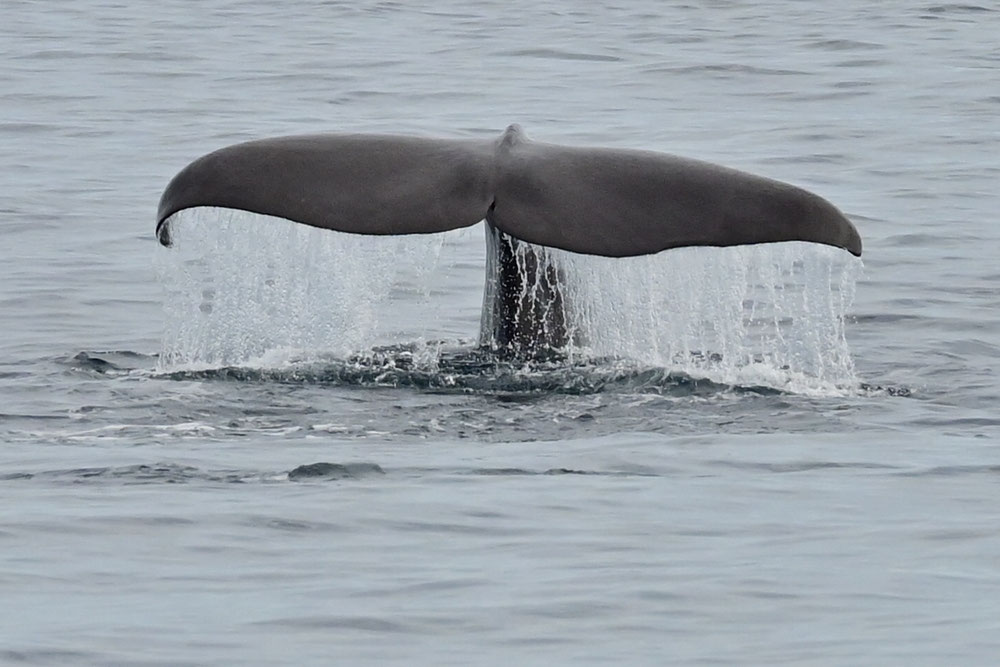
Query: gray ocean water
<point>195,476</point>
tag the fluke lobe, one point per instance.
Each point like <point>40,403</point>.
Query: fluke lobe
<point>597,201</point>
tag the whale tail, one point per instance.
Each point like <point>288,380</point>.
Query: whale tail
<point>596,201</point>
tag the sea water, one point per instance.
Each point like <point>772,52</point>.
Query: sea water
<point>276,445</point>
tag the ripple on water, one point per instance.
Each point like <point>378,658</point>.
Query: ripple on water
<point>175,473</point>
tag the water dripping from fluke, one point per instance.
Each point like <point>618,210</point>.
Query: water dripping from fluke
<point>267,300</point>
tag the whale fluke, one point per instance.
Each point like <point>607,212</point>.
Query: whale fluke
<point>596,201</point>
<point>621,203</point>
<point>365,184</point>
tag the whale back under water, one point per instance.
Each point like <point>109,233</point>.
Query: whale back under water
<point>597,201</point>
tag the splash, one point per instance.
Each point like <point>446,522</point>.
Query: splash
<point>247,291</point>
<point>770,315</point>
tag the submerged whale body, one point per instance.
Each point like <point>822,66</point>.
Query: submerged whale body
<point>598,201</point>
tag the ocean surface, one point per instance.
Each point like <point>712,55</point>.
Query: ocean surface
<point>278,445</point>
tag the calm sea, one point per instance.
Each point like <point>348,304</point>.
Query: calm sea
<point>272,445</point>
